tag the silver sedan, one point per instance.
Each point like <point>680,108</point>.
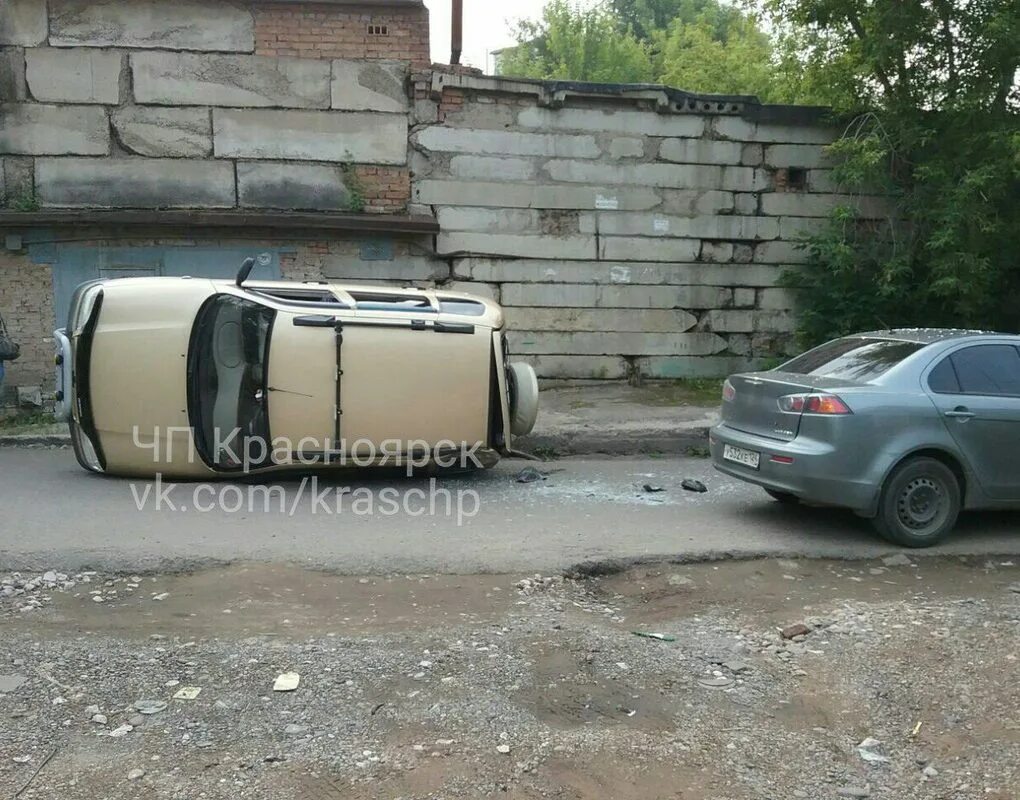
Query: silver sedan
<point>905,427</point>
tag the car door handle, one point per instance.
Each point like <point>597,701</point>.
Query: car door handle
<point>960,412</point>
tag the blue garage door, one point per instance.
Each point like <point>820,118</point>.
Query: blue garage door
<point>73,265</point>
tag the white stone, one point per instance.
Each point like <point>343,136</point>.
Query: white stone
<point>492,168</point>
<point>35,129</point>
<point>134,183</point>
<point>630,121</point>
<point>598,319</point>
<point>164,132</point>
<point>218,25</point>
<point>626,248</point>
<point>489,291</point>
<point>529,195</point>
<point>301,187</point>
<point>614,273</point>
<point>602,296</point>
<point>701,151</point>
<point>609,343</point>
<point>574,247</point>
<point>73,76</point>
<point>23,23</point>
<point>682,176</point>
<point>369,86</point>
<point>627,147</point>
<point>360,137</point>
<point>509,143</point>
<point>243,81</point>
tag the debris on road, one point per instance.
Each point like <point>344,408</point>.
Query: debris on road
<point>793,631</point>
<point>188,693</point>
<point>150,706</point>
<point>530,475</point>
<point>287,682</point>
<point>661,637</point>
<point>11,683</point>
<point>691,485</point>
<point>651,489</point>
<point>870,750</point>
<point>897,560</point>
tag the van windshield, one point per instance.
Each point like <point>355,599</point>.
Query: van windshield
<point>227,389</point>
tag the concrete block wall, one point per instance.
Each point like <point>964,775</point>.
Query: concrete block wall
<point>627,231</point>
<point>213,104</point>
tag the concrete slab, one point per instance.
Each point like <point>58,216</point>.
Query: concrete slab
<point>571,247</point>
<point>208,25</point>
<point>369,86</point>
<point>134,183</point>
<point>359,137</point>
<point>73,76</point>
<point>613,343</point>
<point>599,319</point>
<point>621,273</point>
<point>531,195</point>
<point>631,121</point>
<point>241,81</point>
<point>510,143</point>
<point>164,132</point>
<point>297,187</point>
<point>39,130</point>
<point>566,295</point>
<point>23,23</point>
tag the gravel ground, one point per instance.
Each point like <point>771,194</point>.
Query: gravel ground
<point>768,679</point>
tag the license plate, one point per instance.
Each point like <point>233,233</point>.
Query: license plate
<point>739,455</point>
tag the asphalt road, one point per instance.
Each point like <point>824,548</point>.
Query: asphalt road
<point>55,516</point>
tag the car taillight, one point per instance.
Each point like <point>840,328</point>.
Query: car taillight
<point>813,404</point>
<point>728,392</point>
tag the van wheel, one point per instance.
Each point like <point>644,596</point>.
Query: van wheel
<point>920,503</point>
<point>785,498</point>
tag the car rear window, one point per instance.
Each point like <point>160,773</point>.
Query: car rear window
<point>852,359</point>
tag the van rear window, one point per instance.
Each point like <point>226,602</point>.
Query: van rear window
<point>852,359</point>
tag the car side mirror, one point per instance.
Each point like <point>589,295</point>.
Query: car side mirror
<point>246,267</point>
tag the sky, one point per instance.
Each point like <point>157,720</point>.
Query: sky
<point>486,27</point>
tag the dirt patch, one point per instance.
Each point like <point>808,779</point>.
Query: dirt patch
<point>492,687</point>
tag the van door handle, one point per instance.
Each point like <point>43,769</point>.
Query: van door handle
<point>960,412</point>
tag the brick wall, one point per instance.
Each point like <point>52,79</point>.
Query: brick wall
<point>329,31</point>
<point>26,304</point>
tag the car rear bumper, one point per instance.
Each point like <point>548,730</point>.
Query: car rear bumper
<point>817,473</point>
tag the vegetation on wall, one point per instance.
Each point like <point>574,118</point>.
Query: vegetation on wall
<point>929,91</point>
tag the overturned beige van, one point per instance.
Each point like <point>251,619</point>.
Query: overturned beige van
<point>192,378</point>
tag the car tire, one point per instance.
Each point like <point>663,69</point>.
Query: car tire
<point>919,504</point>
<point>785,498</point>
<point>524,412</point>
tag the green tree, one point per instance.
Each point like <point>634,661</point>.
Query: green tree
<point>571,42</point>
<point>931,87</point>
<point>647,18</point>
<point>693,56</point>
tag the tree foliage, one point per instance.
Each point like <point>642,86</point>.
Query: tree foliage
<point>931,87</point>
<point>572,42</point>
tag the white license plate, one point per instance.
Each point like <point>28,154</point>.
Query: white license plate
<point>739,455</point>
